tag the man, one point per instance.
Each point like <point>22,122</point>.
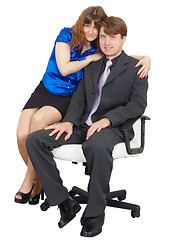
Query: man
<point>109,94</point>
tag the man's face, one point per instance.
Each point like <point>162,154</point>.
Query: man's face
<point>111,46</point>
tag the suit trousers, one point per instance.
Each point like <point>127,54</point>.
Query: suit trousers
<point>98,153</point>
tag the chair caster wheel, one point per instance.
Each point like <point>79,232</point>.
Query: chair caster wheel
<point>135,213</point>
<point>45,205</point>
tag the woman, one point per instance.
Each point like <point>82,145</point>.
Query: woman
<point>74,49</point>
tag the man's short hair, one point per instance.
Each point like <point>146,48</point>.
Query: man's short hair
<point>114,25</point>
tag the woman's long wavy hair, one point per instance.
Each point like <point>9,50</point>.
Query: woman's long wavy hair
<point>90,14</point>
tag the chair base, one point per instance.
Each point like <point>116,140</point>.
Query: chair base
<point>81,197</point>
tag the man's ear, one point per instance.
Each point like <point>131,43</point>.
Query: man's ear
<point>124,39</point>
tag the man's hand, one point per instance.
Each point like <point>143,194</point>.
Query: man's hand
<point>98,126</point>
<point>61,128</point>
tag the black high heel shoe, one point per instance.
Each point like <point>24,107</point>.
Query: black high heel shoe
<point>34,198</point>
<point>25,197</point>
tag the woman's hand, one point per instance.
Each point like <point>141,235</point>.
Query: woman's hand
<point>95,57</point>
<point>146,65</point>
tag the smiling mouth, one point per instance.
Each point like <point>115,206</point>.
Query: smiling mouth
<point>108,48</point>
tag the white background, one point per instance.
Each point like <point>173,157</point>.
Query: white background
<point>28,31</point>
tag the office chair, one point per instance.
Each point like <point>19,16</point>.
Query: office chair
<point>74,153</point>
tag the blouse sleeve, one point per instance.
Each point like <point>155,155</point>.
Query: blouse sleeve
<point>65,36</point>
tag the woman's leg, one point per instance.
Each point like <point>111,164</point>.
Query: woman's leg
<point>42,118</point>
<point>23,129</point>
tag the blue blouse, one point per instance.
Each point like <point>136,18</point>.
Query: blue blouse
<point>52,79</point>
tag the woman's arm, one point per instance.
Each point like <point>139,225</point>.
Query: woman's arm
<point>62,55</point>
<point>145,61</point>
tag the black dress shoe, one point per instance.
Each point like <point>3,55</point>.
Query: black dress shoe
<point>68,210</point>
<point>92,226</point>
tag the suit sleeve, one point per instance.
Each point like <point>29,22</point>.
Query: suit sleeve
<point>136,105</point>
<point>77,105</point>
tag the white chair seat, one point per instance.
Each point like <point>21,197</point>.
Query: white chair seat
<point>74,152</point>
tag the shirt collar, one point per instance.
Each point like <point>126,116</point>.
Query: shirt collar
<point>114,60</point>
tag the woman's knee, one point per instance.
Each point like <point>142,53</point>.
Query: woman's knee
<point>23,128</point>
<point>21,135</point>
<point>44,117</point>
<point>38,121</point>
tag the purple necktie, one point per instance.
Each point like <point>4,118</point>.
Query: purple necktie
<point>101,83</point>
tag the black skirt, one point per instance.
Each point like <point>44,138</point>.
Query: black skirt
<point>42,97</point>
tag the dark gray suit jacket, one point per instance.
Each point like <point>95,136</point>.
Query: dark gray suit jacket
<point>124,95</point>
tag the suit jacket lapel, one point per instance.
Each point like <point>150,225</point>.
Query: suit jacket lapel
<point>119,67</point>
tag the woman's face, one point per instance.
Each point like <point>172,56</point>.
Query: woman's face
<point>90,31</point>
